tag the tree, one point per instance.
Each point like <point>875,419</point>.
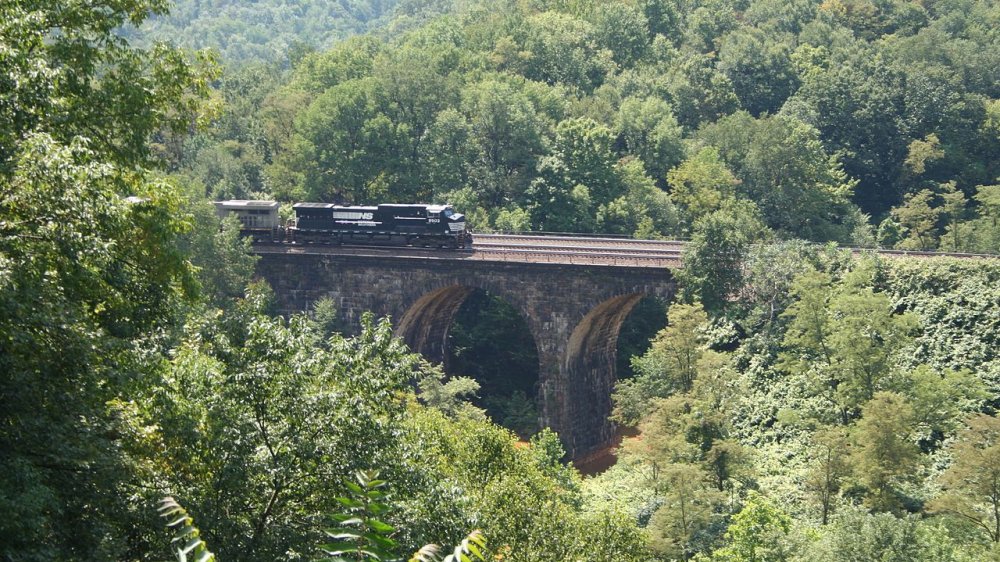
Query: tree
<point>257,417</point>
<point>941,400</point>
<point>563,51</point>
<point>585,147</point>
<point>923,151</point>
<point>70,76</point>
<point>446,153</point>
<point>449,395</point>
<point>953,205</point>
<point>87,278</point>
<point>90,270</point>
<point>756,533</point>
<point>676,361</point>
<point>713,260</point>
<point>222,257</point>
<point>702,184</point>
<point>759,67</point>
<point>782,164</point>
<point>972,481</point>
<point>883,456</point>
<point>672,359</point>
<point>918,219</point>
<point>347,143</point>
<point>649,130</point>
<point>829,469</point>
<point>858,106</point>
<point>799,188</point>
<point>505,132</point>
<point>855,534</point>
<point>987,227</point>
<point>700,92</point>
<point>842,340</point>
<point>689,507</point>
<point>623,30</point>
<point>687,429</point>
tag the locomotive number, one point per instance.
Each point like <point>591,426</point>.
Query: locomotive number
<point>432,221</point>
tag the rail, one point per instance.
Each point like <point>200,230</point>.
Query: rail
<point>579,257</point>
<point>570,250</point>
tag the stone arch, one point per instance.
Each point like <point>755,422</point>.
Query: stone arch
<point>424,324</point>
<point>589,367</point>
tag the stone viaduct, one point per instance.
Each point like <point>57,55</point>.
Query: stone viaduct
<point>574,312</point>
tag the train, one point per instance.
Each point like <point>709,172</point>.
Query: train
<point>325,223</point>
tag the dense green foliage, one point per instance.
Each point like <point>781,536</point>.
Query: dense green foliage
<point>260,31</point>
<point>639,117</point>
<point>137,360</point>
<point>89,279</point>
<point>802,404</point>
<point>815,417</point>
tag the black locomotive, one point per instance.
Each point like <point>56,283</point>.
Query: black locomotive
<point>325,223</point>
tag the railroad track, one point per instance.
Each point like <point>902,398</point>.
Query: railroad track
<point>577,250</point>
<point>533,249</point>
<point>556,249</point>
<point>594,242</point>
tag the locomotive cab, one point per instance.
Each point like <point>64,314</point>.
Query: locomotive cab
<point>454,225</point>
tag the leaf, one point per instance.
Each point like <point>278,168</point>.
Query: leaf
<point>378,539</point>
<point>186,531</point>
<point>191,545</point>
<point>428,553</point>
<point>337,548</point>
<point>379,526</point>
<point>346,535</point>
<point>348,502</point>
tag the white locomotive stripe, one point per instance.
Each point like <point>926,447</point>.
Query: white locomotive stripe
<point>352,216</point>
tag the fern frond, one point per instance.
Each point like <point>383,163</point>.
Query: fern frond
<point>429,553</point>
<point>471,548</point>
<point>187,542</point>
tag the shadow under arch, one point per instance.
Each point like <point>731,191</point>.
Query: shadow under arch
<point>424,325</point>
<point>589,367</point>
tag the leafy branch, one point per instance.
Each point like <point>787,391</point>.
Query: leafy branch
<point>362,536</point>
<point>187,540</point>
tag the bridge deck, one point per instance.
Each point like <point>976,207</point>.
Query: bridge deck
<point>552,249</point>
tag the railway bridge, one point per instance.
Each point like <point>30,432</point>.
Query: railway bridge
<point>573,293</point>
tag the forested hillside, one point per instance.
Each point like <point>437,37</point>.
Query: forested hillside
<point>271,31</point>
<point>137,359</point>
<point>848,121</point>
<point>832,408</point>
<point>804,403</point>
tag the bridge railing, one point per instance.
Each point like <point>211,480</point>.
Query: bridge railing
<point>562,256</point>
